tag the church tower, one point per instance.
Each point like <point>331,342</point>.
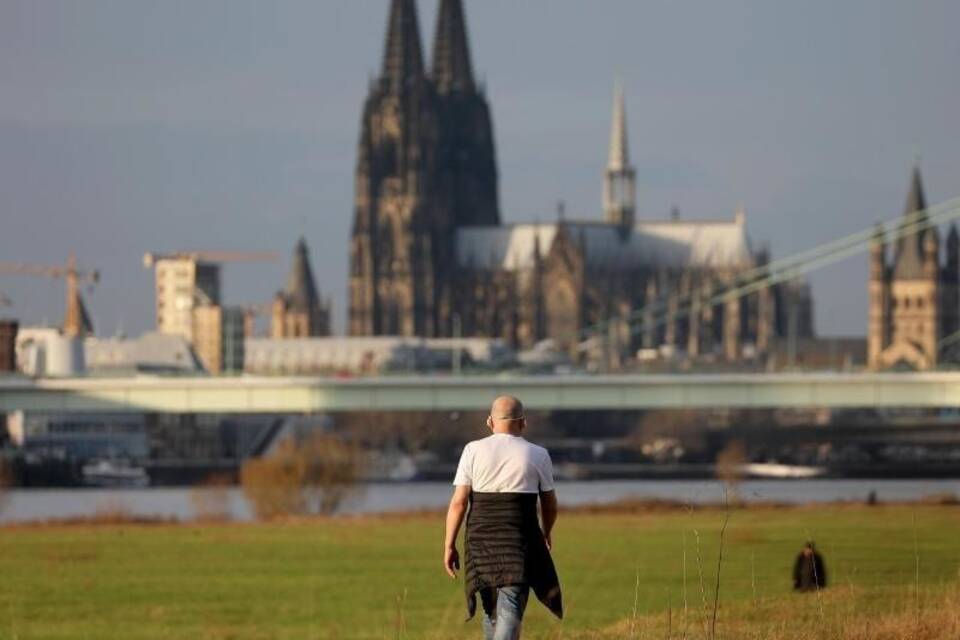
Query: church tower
<point>619,180</point>
<point>298,311</point>
<point>398,229</point>
<point>425,166</point>
<point>907,299</point>
<point>466,162</point>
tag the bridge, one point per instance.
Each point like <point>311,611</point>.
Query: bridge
<point>306,395</point>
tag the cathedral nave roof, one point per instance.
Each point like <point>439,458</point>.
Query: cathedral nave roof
<point>652,244</point>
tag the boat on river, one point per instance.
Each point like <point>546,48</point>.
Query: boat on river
<point>114,473</point>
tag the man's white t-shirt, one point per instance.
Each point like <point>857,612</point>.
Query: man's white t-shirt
<point>504,463</point>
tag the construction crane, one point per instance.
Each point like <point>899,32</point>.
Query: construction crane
<point>76,322</point>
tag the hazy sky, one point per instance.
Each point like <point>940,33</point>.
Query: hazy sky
<point>136,125</point>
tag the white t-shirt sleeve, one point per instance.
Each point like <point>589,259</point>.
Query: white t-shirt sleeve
<point>464,475</point>
<point>545,471</point>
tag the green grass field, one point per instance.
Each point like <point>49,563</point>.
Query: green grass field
<point>381,577</point>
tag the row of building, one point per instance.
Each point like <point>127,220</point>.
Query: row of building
<point>430,258</point>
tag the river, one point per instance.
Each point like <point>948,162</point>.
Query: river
<point>24,505</point>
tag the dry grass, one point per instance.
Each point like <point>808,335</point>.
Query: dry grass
<point>851,617</point>
<point>625,576</point>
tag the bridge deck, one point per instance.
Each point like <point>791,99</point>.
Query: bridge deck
<point>309,395</point>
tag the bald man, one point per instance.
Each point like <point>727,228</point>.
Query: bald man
<point>506,547</point>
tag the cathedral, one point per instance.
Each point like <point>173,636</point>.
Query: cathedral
<point>430,257</point>
<point>913,295</point>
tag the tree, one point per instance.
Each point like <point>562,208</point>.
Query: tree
<point>298,478</point>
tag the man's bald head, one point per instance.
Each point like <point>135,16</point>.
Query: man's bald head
<point>506,415</point>
<point>506,408</point>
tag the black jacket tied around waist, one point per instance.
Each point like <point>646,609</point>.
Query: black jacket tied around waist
<point>504,546</point>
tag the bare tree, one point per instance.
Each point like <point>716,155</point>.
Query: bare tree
<point>729,467</point>
<point>298,478</point>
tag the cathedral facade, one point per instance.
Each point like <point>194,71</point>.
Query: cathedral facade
<point>430,257</point>
<point>913,293</point>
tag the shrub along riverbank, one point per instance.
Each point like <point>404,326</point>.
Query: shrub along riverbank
<point>893,573</point>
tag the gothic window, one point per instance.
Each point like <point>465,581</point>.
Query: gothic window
<point>919,303</point>
<point>357,259</point>
<point>562,314</point>
<point>906,302</point>
<point>392,318</point>
<point>387,244</point>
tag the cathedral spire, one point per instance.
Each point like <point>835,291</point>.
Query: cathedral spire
<point>402,55</point>
<point>911,249</point>
<point>301,289</point>
<point>619,157</point>
<point>452,72</point>
<point>619,181</point>
<point>916,201</point>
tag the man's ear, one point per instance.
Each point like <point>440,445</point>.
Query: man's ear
<point>489,422</point>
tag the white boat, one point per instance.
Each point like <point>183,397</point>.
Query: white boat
<point>114,473</point>
<point>774,470</point>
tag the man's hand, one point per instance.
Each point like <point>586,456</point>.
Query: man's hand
<point>451,561</point>
<point>458,509</point>
<point>548,514</point>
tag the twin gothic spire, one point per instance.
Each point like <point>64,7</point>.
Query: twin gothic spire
<point>452,71</point>
<point>403,55</point>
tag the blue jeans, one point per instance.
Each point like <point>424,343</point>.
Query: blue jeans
<point>504,623</point>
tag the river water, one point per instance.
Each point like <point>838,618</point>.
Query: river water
<point>24,505</point>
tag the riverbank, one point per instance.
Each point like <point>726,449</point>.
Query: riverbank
<point>374,577</point>
<point>186,504</point>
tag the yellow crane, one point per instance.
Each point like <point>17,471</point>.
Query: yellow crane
<point>76,321</point>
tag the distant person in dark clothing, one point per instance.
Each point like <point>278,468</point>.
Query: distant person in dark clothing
<point>809,572</point>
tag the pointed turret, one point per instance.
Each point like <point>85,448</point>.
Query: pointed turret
<point>452,72</point>
<point>916,201</point>
<point>619,181</point>
<point>402,55</point>
<point>77,323</point>
<point>301,291</point>
<point>909,261</point>
<point>619,157</point>
<point>298,311</point>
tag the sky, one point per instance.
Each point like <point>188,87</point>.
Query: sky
<point>129,126</point>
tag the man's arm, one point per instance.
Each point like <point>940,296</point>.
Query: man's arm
<point>548,513</point>
<point>455,513</point>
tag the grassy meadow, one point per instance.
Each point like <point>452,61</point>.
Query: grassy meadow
<point>644,573</point>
